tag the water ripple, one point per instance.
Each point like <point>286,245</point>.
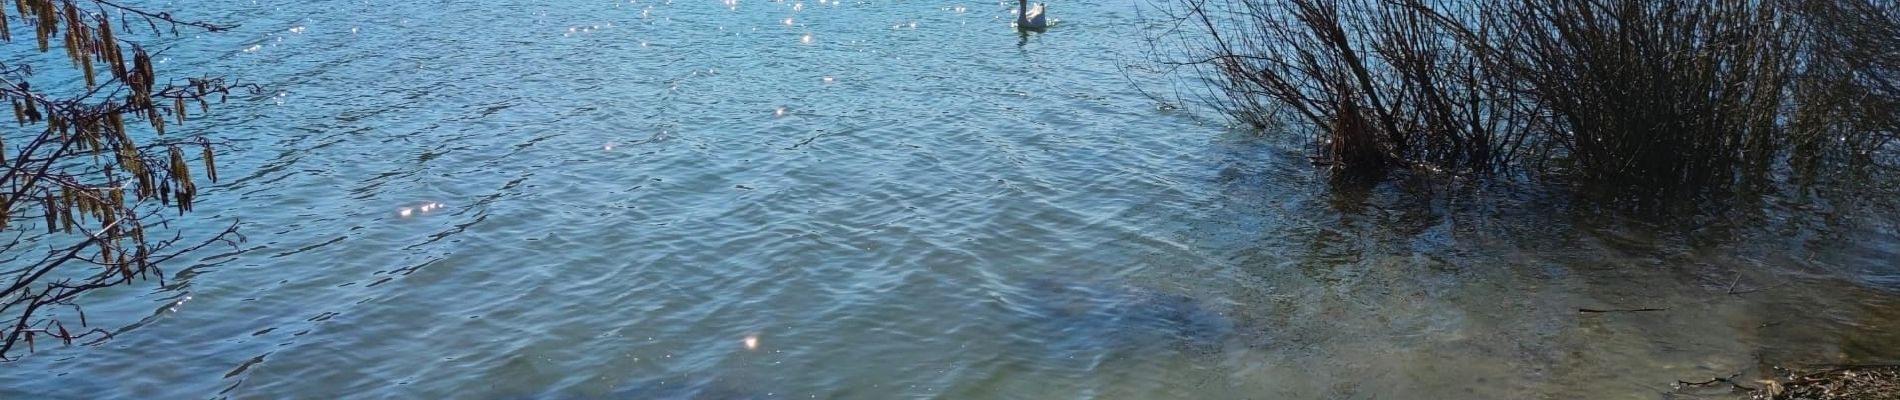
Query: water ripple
<point>653,199</point>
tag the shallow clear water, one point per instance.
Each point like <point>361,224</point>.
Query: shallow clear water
<point>875,200</point>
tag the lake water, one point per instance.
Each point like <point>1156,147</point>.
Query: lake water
<point>879,200</point>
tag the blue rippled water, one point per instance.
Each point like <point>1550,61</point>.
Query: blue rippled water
<point>854,199</point>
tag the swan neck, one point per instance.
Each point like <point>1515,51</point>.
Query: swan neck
<point>1022,9</point>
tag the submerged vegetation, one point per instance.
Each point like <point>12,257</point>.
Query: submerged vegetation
<point>89,173</point>
<point>1643,93</point>
<point>1657,104</point>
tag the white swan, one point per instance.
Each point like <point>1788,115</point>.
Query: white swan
<point>1030,18</point>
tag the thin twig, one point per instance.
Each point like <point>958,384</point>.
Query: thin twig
<point>1617,310</point>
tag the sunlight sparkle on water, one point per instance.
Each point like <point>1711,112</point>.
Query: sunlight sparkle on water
<point>779,112</point>
<point>181,302</point>
<point>751,342</point>
<point>805,39</point>
<point>424,208</point>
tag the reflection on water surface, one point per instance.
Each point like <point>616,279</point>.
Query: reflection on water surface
<point>584,208</point>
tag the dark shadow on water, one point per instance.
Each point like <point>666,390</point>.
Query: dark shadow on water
<point>1022,34</point>
<point>1350,191</point>
<point>1070,317</point>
